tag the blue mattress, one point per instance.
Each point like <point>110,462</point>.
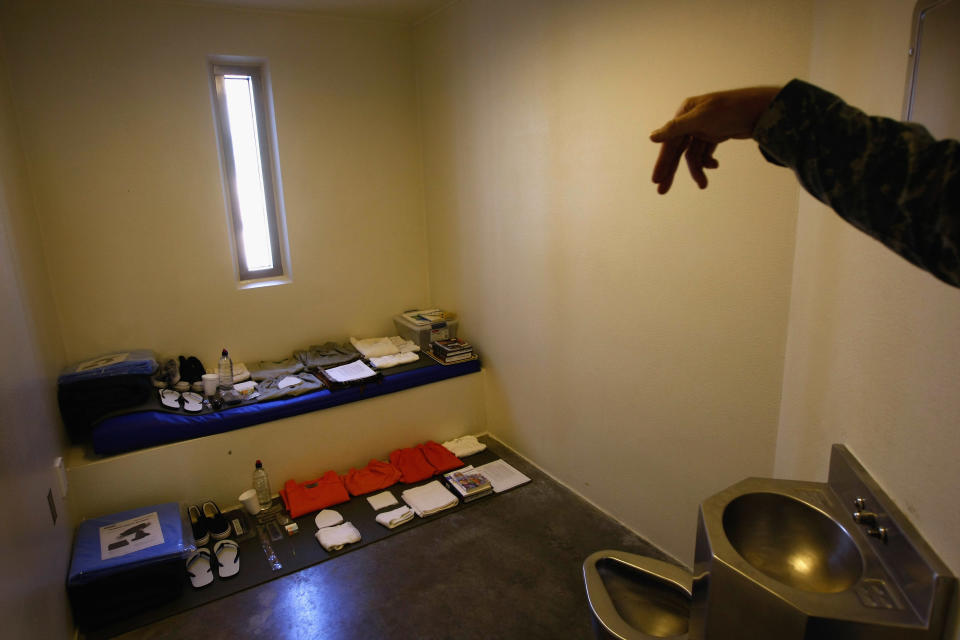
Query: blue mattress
<point>149,428</point>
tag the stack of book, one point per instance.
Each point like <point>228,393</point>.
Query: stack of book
<point>452,350</point>
<point>468,483</point>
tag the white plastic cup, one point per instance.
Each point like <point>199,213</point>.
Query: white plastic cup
<point>210,381</point>
<point>250,502</point>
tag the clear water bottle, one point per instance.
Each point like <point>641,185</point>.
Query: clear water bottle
<point>225,371</point>
<point>261,484</point>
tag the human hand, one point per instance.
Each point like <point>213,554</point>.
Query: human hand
<point>701,123</point>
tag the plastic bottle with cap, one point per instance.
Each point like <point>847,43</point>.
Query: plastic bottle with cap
<point>261,484</point>
<point>225,371</point>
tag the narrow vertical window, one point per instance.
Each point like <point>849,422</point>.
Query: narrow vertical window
<point>248,150</point>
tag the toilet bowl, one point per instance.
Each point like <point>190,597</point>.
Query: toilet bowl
<point>634,597</point>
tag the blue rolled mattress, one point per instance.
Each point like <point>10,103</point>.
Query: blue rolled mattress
<point>129,431</point>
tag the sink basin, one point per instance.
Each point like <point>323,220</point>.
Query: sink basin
<point>786,559</point>
<point>791,541</point>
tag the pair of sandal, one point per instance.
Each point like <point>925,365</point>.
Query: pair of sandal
<point>227,555</point>
<point>192,402</point>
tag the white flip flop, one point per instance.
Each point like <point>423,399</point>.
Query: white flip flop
<point>228,558</point>
<point>198,568</point>
<point>170,398</point>
<point>192,402</point>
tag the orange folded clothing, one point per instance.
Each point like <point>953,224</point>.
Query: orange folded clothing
<point>439,457</point>
<point>412,464</point>
<point>376,475</point>
<point>307,497</point>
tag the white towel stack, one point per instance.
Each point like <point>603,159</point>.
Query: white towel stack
<point>396,517</point>
<point>334,538</point>
<point>429,499</point>
<point>379,347</point>
<point>385,362</point>
<point>464,446</point>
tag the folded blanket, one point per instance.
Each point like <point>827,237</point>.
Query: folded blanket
<point>464,446</point>
<point>404,346</point>
<point>328,354</point>
<point>263,370</point>
<point>396,517</point>
<point>334,538</point>
<point>429,499</point>
<point>288,386</point>
<point>375,347</point>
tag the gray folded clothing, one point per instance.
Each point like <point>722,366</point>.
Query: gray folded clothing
<point>264,370</point>
<point>270,389</point>
<point>328,354</point>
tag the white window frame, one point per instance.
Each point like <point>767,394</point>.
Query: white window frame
<point>257,71</point>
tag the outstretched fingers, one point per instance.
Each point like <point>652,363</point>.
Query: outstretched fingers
<point>699,156</point>
<point>665,169</point>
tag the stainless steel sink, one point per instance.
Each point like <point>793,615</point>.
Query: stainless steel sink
<point>787,559</point>
<point>792,542</point>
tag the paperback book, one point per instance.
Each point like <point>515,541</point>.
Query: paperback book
<point>468,483</point>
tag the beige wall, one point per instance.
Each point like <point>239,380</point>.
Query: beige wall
<point>34,551</point>
<point>872,357</point>
<point>118,130</point>
<point>634,343</point>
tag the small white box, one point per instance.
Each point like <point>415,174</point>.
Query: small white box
<point>424,334</point>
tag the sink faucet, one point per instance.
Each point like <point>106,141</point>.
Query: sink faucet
<point>868,519</point>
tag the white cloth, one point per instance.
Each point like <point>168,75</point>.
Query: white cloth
<point>464,446</point>
<point>375,347</point>
<point>328,518</point>
<point>405,346</point>
<point>396,517</point>
<point>382,500</point>
<point>429,499</point>
<point>379,347</point>
<point>385,362</point>
<point>334,538</point>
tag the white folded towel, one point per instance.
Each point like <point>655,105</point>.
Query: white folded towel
<point>382,500</point>
<point>385,362</point>
<point>375,347</point>
<point>429,498</point>
<point>464,446</point>
<point>405,346</point>
<point>334,538</point>
<point>396,517</point>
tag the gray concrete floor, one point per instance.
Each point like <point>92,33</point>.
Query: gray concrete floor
<point>507,567</point>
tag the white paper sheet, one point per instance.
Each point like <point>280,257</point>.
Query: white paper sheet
<point>502,476</point>
<point>128,536</point>
<point>356,370</point>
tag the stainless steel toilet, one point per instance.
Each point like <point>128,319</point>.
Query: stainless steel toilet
<point>634,597</point>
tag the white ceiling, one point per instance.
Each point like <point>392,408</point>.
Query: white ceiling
<point>395,10</point>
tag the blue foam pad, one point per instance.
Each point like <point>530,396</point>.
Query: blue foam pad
<point>142,429</point>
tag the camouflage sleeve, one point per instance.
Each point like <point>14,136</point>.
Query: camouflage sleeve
<point>889,179</point>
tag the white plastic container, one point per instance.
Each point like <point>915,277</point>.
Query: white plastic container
<point>424,334</point>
